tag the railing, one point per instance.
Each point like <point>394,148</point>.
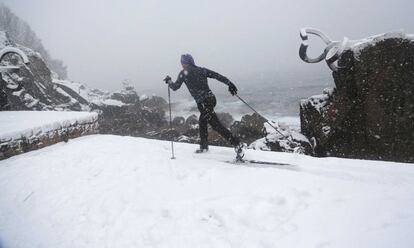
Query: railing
<point>12,50</point>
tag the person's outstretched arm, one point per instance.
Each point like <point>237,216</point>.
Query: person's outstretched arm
<point>177,84</point>
<point>223,79</point>
<point>217,76</point>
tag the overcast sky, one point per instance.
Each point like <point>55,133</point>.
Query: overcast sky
<point>103,42</point>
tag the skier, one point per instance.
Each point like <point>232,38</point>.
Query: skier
<point>196,80</point>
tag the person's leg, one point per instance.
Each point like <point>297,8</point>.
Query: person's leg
<point>202,126</point>
<point>216,124</point>
<point>222,130</point>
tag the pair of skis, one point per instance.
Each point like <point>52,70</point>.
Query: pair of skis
<point>252,161</point>
<point>240,159</point>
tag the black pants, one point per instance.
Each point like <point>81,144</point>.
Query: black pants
<point>208,116</point>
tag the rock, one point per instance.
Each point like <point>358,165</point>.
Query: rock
<point>191,128</point>
<point>4,103</point>
<point>36,87</point>
<point>178,121</point>
<point>250,128</point>
<point>167,134</point>
<point>370,114</point>
<point>131,120</point>
<point>32,87</point>
<point>127,95</point>
<point>283,140</point>
<point>253,130</point>
<point>20,32</point>
<point>314,117</point>
<point>191,120</point>
<point>155,102</point>
<point>226,119</point>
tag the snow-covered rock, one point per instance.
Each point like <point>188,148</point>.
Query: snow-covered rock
<point>4,40</point>
<point>315,116</point>
<point>32,87</point>
<point>83,93</point>
<point>260,135</point>
<point>35,87</point>
<point>358,46</point>
<point>282,140</point>
<point>319,102</point>
<point>127,94</point>
<point>112,191</point>
<point>21,33</point>
<point>370,113</point>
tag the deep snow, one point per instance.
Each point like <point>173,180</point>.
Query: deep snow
<point>112,191</point>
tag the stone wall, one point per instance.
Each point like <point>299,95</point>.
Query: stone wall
<point>14,146</point>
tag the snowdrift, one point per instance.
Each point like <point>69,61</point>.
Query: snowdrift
<point>112,191</point>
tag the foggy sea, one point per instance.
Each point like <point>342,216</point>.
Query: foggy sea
<point>276,102</point>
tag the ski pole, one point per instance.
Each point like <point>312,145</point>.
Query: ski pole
<point>268,122</point>
<point>169,105</point>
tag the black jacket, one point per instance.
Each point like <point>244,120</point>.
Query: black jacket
<point>196,80</point>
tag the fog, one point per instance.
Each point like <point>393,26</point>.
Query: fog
<point>104,42</point>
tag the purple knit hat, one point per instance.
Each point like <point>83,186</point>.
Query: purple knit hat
<point>187,59</point>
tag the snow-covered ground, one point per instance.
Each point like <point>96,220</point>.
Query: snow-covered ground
<point>112,191</point>
<point>17,124</point>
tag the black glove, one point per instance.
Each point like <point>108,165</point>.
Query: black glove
<point>232,89</point>
<point>167,79</point>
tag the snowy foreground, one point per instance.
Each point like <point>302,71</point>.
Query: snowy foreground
<point>112,191</point>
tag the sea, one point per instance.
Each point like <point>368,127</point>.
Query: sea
<point>276,99</point>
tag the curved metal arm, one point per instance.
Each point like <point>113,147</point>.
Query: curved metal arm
<point>305,31</point>
<point>331,53</point>
<point>303,54</point>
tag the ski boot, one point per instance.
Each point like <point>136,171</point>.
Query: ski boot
<point>202,149</point>
<point>239,149</point>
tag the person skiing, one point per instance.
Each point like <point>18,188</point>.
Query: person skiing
<point>195,78</point>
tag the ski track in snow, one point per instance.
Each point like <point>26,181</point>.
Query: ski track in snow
<point>112,191</point>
